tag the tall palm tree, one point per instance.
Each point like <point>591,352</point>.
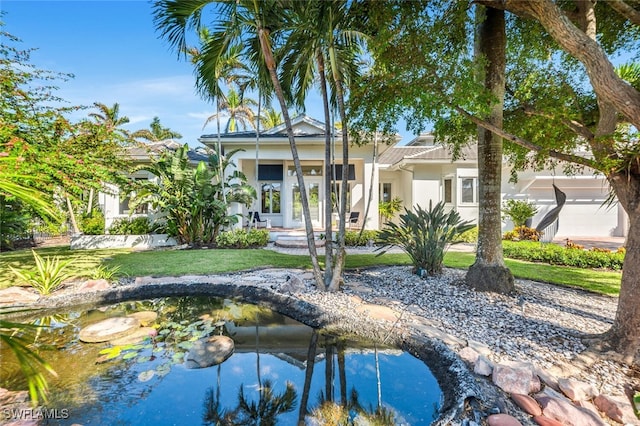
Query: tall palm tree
<point>256,28</point>
<point>323,30</point>
<point>238,109</point>
<point>156,132</point>
<point>270,118</point>
<point>110,117</point>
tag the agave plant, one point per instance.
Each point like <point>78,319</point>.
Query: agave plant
<point>424,235</point>
<point>48,275</point>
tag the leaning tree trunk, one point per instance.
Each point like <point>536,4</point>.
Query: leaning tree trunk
<point>624,335</point>
<point>489,272</point>
<point>265,45</point>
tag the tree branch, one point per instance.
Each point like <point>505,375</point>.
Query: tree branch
<point>525,143</point>
<point>575,126</point>
<point>625,10</point>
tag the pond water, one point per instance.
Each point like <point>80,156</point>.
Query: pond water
<point>279,366</point>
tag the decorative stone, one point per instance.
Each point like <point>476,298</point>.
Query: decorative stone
<point>576,390</point>
<point>145,317</point>
<point>547,378</point>
<point>617,408</point>
<point>512,379</point>
<point>502,420</point>
<point>378,312</point>
<point>483,366</point>
<point>108,329</point>
<point>94,285</point>
<point>481,348</point>
<point>469,355</point>
<point>136,336</point>
<point>546,421</point>
<point>294,284</point>
<point>528,404</point>
<point>567,413</point>
<point>17,296</point>
<point>209,351</point>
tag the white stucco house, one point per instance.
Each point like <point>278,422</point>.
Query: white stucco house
<point>415,172</point>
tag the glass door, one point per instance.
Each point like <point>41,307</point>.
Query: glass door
<point>315,206</point>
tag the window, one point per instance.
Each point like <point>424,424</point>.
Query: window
<point>468,190</point>
<point>270,197</point>
<point>351,172</point>
<point>269,172</point>
<point>335,196</point>
<point>448,191</point>
<point>316,170</point>
<point>385,194</point>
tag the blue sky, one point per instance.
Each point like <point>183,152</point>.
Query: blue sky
<point>115,54</point>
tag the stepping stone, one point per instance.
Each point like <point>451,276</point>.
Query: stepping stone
<point>210,351</point>
<point>136,336</point>
<point>108,329</point>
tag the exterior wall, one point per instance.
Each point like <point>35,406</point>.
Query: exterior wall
<point>110,199</point>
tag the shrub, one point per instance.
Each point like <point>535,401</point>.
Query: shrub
<point>240,238</point>
<point>103,272</point>
<point>388,209</point>
<point>424,235</point>
<point>522,233</point>
<point>48,275</point>
<point>518,211</point>
<point>134,226</point>
<point>93,223</point>
<point>558,255</point>
<point>470,236</point>
<point>354,239</point>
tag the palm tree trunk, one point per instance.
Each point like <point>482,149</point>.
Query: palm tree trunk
<point>265,45</point>
<point>328,247</point>
<point>340,256</point>
<point>72,216</point>
<point>308,375</point>
<point>258,151</point>
<point>219,148</point>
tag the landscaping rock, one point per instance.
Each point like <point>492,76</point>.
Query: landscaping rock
<point>567,413</point>
<point>145,317</point>
<point>502,420</point>
<point>483,366</point>
<point>136,336</point>
<point>469,355</point>
<point>546,421</point>
<point>528,404</point>
<point>512,379</point>
<point>617,408</point>
<point>209,351</point>
<point>94,285</point>
<point>17,295</point>
<point>378,312</point>
<point>293,285</point>
<point>576,390</point>
<point>108,329</point>
<point>547,378</point>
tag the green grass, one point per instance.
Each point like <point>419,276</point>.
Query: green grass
<point>200,262</point>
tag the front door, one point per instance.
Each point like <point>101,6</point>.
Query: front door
<point>296,218</point>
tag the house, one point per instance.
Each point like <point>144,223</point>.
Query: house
<point>416,173</point>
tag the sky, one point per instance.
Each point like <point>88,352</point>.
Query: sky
<point>115,54</point>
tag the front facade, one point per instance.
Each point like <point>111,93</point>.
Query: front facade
<point>416,173</point>
<point>268,165</point>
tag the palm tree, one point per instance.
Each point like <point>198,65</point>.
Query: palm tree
<point>270,118</point>
<point>255,28</point>
<point>110,117</point>
<point>238,109</point>
<point>156,132</point>
<point>322,30</point>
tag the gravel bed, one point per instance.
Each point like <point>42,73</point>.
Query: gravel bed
<point>541,323</point>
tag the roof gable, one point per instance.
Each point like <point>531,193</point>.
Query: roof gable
<point>302,125</point>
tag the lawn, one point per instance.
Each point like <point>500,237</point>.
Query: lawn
<point>199,262</point>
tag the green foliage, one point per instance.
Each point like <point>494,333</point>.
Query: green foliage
<point>558,255</point>
<point>241,239</point>
<point>109,273</point>
<point>518,211</point>
<point>15,222</point>
<point>358,239</point>
<point>469,236</point>
<point>16,337</point>
<point>195,199</point>
<point>48,275</point>
<point>93,223</point>
<point>424,235</point>
<point>389,209</point>
<point>130,226</point>
<point>522,233</point>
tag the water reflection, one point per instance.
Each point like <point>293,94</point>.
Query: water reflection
<point>281,372</point>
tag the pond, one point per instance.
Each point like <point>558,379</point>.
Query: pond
<point>279,371</point>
